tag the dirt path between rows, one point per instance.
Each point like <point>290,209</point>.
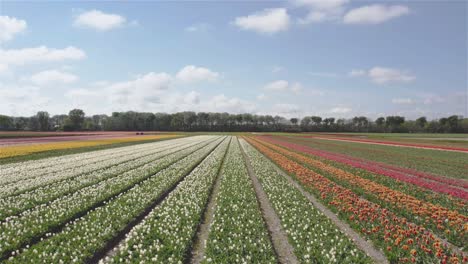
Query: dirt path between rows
<point>366,246</point>
<point>199,246</point>
<point>279,238</point>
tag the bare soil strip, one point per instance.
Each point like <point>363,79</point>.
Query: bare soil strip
<point>199,245</point>
<point>361,243</point>
<point>279,238</point>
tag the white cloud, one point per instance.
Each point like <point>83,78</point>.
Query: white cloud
<point>268,21</point>
<point>53,76</point>
<point>3,68</point>
<point>222,103</point>
<point>192,98</point>
<point>382,75</point>
<point>143,93</point>
<point>429,99</point>
<point>283,86</point>
<point>191,73</point>
<point>99,20</point>
<point>374,14</point>
<point>21,100</point>
<point>321,10</point>
<point>39,55</point>
<point>199,27</point>
<point>313,17</point>
<point>278,86</point>
<point>9,27</point>
<point>287,109</point>
<point>296,88</point>
<point>402,101</point>
<point>321,4</point>
<point>340,110</point>
<point>143,88</point>
<point>81,92</point>
<point>261,97</point>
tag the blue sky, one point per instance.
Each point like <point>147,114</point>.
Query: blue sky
<point>293,58</point>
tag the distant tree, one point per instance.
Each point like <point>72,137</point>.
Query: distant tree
<point>191,121</point>
<point>75,120</point>
<point>453,123</point>
<point>316,119</point>
<point>20,123</point>
<point>305,122</point>
<point>43,120</point>
<point>6,122</point>
<point>380,121</point>
<point>57,122</point>
<point>33,123</point>
<point>394,123</point>
<point>329,121</point>
<point>421,122</point>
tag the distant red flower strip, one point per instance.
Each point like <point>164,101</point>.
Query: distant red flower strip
<point>394,143</point>
<point>411,172</point>
<point>376,168</point>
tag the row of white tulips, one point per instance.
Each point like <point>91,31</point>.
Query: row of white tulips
<point>314,237</point>
<point>83,169</point>
<point>11,173</point>
<point>238,233</point>
<point>10,169</point>
<point>166,234</point>
<point>19,230</point>
<point>82,238</point>
<point>15,204</point>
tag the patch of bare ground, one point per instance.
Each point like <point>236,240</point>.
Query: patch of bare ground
<point>199,246</point>
<point>279,238</point>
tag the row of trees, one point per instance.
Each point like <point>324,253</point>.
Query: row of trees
<point>191,121</point>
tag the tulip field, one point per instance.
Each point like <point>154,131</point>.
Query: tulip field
<point>245,198</point>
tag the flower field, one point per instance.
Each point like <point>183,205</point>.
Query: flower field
<point>12,151</point>
<point>229,199</point>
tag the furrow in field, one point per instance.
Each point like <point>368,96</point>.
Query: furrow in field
<point>13,205</point>
<point>30,225</point>
<point>199,245</point>
<point>279,238</point>
<point>238,233</point>
<point>314,237</point>
<point>91,237</point>
<point>169,241</point>
<point>400,239</point>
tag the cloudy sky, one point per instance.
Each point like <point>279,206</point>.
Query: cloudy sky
<point>302,57</point>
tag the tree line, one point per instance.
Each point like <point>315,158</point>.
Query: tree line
<point>76,120</point>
